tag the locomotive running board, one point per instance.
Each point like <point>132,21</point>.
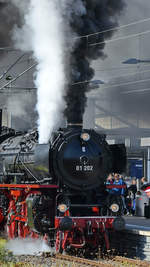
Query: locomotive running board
<point>96,222</point>
<point>88,217</point>
<point>108,222</point>
<point>28,186</point>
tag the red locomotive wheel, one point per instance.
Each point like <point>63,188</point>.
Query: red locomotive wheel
<point>59,239</point>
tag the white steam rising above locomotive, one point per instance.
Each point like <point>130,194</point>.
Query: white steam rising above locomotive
<point>42,33</point>
<point>46,31</point>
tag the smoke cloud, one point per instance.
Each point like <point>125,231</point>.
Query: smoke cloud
<point>8,17</point>
<point>98,16</point>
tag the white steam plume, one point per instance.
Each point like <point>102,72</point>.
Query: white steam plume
<point>42,33</point>
<point>28,246</point>
<point>47,32</point>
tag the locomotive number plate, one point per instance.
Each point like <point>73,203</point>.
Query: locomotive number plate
<point>84,168</point>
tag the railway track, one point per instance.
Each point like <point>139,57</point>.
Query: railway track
<point>131,262</point>
<point>46,260</point>
<point>80,261</point>
<point>115,261</point>
<point>73,261</point>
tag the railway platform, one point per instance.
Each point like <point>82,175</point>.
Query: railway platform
<point>134,241</point>
<point>137,223</point>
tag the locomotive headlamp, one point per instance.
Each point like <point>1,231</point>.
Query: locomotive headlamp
<point>62,208</point>
<point>114,207</point>
<point>85,137</point>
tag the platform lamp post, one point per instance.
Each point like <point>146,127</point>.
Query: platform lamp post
<point>137,61</point>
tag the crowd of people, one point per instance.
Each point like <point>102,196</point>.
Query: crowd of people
<point>124,195</point>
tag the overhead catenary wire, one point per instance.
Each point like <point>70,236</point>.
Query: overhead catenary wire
<point>115,28</point>
<point>17,77</point>
<point>18,63</point>
<point>11,66</point>
<point>130,74</point>
<point>91,81</point>
<point>9,49</point>
<point>124,84</point>
<point>107,41</point>
<point>82,82</point>
<point>136,91</point>
<point>120,38</point>
<point>78,83</point>
<point>118,68</point>
<point>113,40</point>
<point>18,90</point>
<point>117,39</point>
<point>113,85</point>
<point>91,34</point>
<point>133,66</point>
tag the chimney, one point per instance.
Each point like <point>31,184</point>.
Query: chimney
<point>73,125</point>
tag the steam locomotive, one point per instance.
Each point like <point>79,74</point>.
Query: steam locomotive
<point>58,189</point>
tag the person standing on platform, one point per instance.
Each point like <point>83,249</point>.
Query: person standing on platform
<point>109,181</point>
<point>110,196</point>
<point>120,191</point>
<point>143,181</point>
<point>132,195</point>
<point>116,194</point>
